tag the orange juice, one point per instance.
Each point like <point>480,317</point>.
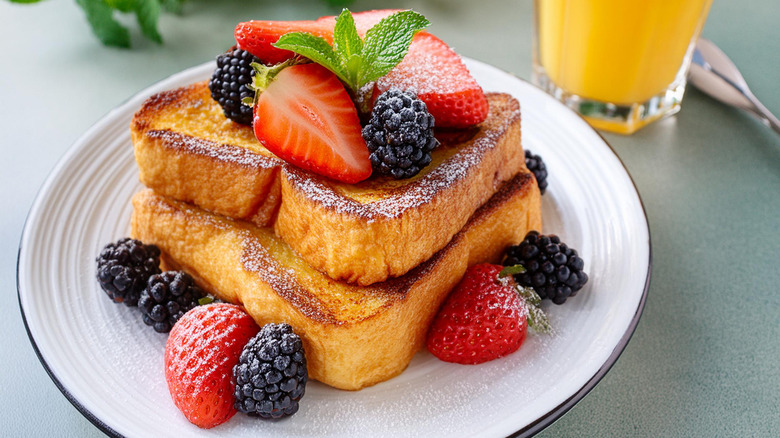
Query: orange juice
<point>620,52</point>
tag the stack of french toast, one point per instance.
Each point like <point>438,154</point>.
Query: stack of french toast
<point>358,270</point>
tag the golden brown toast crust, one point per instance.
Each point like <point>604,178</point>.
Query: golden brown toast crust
<point>186,149</point>
<point>364,233</point>
<point>381,228</point>
<point>354,336</point>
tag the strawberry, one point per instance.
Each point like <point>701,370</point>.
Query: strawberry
<point>306,117</point>
<point>483,319</point>
<point>441,80</point>
<point>363,20</point>
<point>257,36</point>
<point>201,351</point>
<point>431,68</point>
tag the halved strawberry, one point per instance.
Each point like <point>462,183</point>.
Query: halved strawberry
<point>307,118</point>
<point>441,80</point>
<point>256,37</point>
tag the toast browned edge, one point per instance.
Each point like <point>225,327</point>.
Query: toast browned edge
<point>354,336</point>
<point>398,229</point>
<point>368,242</point>
<point>229,179</point>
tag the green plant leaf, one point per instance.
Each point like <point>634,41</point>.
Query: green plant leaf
<point>314,48</point>
<point>387,43</point>
<point>537,320</point>
<point>264,75</point>
<point>24,1</point>
<point>101,17</point>
<point>348,45</point>
<point>529,295</point>
<point>511,270</point>
<point>173,6</point>
<point>147,13</point>
<point>122,5</point>
<point>205,300</point>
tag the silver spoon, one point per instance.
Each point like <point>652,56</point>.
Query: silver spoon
<point>713,73</point>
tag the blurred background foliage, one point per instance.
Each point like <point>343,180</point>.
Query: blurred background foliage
<point>108,18</point>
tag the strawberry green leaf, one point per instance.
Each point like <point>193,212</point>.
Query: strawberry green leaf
<point>106,28</point>
<point>148,12</point>
<point>529,295</point>
<point>205,300</point>
<point>537,319</point>
<point>511,270</point>
<point>314,48</point>
<point>263,76</point>
<point>387,43</point>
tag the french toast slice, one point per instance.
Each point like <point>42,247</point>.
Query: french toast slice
<point>354,336</point>
<point>361,233</point>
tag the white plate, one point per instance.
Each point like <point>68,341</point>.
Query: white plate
<point>110,365</point>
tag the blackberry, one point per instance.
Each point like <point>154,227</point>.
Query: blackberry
<point>166,298</point>
<point>535,164</point>
<point>554,270</point>
<point>229,84</point>
<point>271,373</point>
<point>124,267</point>
<point>399,134</point>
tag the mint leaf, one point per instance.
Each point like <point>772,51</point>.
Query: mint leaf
<point>387,43</point>
<point>357,62</point>
<point>24,1</point>
<point>147,13</point>
<point>106,28</point>
<point>314,48</point>
<point>348,45</point>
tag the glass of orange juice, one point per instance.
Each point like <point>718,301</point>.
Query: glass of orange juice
<point>620,63</point>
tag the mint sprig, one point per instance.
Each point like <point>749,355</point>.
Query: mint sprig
<point>355,61</point>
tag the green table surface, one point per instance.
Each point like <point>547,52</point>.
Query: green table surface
<point>704,358</point>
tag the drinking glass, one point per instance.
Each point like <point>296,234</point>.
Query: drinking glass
<point>620,63</point>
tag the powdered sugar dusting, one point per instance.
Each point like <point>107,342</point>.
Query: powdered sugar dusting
<point>255,258</point>
<point>430,67</point>
<point>450,173</point>
<point>222,152</point>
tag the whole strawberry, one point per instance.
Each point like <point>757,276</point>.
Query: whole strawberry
<point>202,349</point>
<point>483,319</point>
